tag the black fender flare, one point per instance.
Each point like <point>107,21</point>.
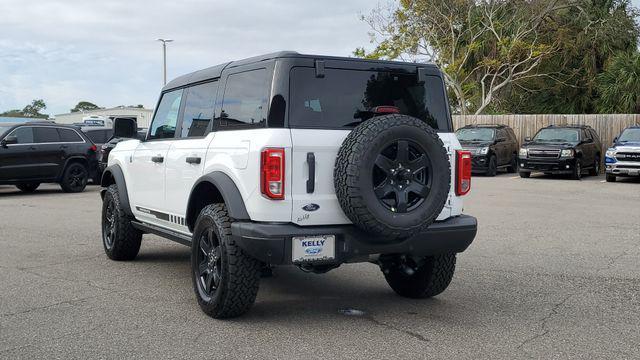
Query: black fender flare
<point>115,172</point>
<point>229,192</point>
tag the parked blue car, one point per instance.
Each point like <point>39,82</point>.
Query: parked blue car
<point>623,158</point>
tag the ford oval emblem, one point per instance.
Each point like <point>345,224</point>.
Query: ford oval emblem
<point>311,207</point>
<point>314,250</point>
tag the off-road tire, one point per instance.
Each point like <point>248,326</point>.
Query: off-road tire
<point>610,178</point>
<point>74,178</point>
<point>126,239</point>
<point>28,187</point>
<point>240,273</point>
<point>353,180</point>
<point>431,279</point>
<point>492,170</point>
<point>525,174</point>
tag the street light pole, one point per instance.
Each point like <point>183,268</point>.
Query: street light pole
<point>164,57</point>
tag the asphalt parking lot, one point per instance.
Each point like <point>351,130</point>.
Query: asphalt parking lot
<point>553,273</point>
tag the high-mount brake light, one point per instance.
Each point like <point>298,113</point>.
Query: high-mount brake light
<point>463,172</point>
<point>272,173</point>
<point>386,110</point>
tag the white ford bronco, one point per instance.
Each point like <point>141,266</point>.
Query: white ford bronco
<point>290,159</point>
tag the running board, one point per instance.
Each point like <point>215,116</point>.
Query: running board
<point>167,234</point>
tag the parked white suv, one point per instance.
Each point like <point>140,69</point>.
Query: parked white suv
<point>295,159</point>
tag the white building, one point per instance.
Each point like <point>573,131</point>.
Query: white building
<point>143,115</point>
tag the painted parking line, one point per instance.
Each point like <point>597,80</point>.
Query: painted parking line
<point>515,177</point>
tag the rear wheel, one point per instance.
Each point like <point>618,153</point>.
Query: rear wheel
<point>225,279</point>
<point>28,188</point>
<point>493,166</point>
<point>611,178</point>
<point>423,278</point>
<point>74,178</point>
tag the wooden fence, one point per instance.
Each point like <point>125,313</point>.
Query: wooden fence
<point>607,126</point>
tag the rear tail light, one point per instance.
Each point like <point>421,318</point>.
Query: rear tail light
<point>386,110</point>
<point>463,172</point>
<point>272,173</point>
<point>93,148</point>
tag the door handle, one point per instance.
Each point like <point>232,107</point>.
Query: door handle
<point>157,159</point>
<point>311,181</point>
<point>63,146</point>
<point>193,160</point>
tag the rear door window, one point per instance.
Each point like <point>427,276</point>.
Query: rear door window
<point>46,135</point>
<point>24,135</point>
<point>166,118</point>
<point>198,109</point>
<point>344,98</point>
<point>245,100</point>
<point>68,135</point>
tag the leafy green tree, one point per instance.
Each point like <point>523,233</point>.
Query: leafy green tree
<point>34,109</point>
<point>85,106</point>
<point>619,85</point>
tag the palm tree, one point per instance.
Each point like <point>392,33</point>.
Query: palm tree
<point>619,85</point>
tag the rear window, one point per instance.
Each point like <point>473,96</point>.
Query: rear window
<point>344,98</point>
<point>68,135</point>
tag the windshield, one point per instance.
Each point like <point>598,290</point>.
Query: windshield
<point>475,134</point>
<point>630,135</point>
<point>557,135</point>
<point>344,98</point>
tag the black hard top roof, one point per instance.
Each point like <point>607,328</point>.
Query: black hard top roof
<point>215,71</point>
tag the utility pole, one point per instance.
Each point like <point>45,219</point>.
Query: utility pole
<point>164,57</point>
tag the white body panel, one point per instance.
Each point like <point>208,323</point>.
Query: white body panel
<point>166,186</point>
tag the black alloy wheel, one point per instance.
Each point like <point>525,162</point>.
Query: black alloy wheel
<point>209,262</point>
<point>402,176</point>
<point>109,223</point>
<point>75,178</point>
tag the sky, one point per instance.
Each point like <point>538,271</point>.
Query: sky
<point>105,52</point>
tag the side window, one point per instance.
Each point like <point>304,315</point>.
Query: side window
<point>585,134</point>
<point>512,134</point>
<point>198,109</point>
<point>594,135</point>
<point>68,135</point>
<point>245,99</point>
<point>46,135</point>
<point>166,118</point>
<point>24,135</point>
<point>502,134</point>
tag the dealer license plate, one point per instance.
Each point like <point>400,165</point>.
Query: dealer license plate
<point>314,248</point>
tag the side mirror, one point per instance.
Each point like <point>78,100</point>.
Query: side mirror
<point>527,139</point>
<point>615,139</point>
<point>9,140</point>
<point>587,141</point>
<point>499,140</point>
<point>125,128</point>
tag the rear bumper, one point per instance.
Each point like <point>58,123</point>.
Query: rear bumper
<point>272,242</point>
<point>554,166</point>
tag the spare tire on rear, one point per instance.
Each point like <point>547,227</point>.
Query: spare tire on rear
<point>392,176</point>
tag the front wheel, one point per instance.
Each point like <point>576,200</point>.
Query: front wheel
<point>611,178</point>
<point>513,165</point>
<point>120,239</point>
<point>225,279</point>
<point>595,170</point>
<point>524,174</point>
<point>74,178</point>
<point>493,166</point>
<point>577,171</point>
<point>422,278</point>
<point>28,188</point>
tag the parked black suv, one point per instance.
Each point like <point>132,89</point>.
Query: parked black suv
<point>493,147</point>
<point>33,153</point>
<point>567,149</point>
